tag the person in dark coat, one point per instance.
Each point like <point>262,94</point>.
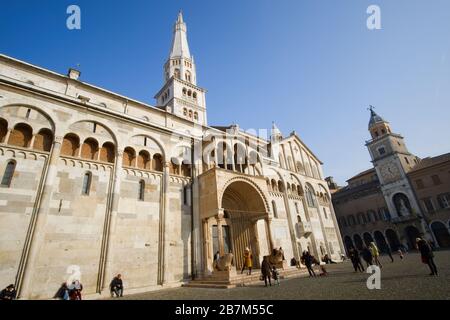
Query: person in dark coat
<point>62,293</point>
<point>356,260</point>
<point>367,256</point>
<point>309,259</point>
<point>427,255</point>
<point>116,286</point>
<point>266,271</point>
<point>9,293</point>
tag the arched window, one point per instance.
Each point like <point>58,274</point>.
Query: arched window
<point>176,73</point>
<point>9,173</point>
<point>157,164</point>
<point>89,149</point>
<point>294,190</point>
<point>107,152</point>
<point>274,208</point>
<point>129,157</point>
<point>195,115</point>
<point>274,186</point>
<point>188,76</point>
<point>185,169</point>
<point>21,135</point>
<point>194,95</point>
<point>71,145</point>
<point>299,219</point>
<point>143,160</point>
<point>299,190</point>
<point>185,112</point>
<point>43,140</point>
<point>141,190</point>
<point>310,198</point>
<point>280,186</point>
<point>86,188</point>
<point>3,129</point>
<point>174,166</point>
<point>184,91</point>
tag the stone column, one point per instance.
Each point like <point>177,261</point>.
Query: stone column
<point>163,236</point>
<point>38,220</point>
<point>32,141</point>
<point>219,219</point>
<point>115,197</point>
<point>269,233</point>
<point>206,244</point>
<point>8,134</point>
<point>291,225</point>
<point>256,237</point>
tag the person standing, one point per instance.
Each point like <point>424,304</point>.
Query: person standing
<point>116,286</point>
<point>427,255</point>
<point>248,263</point>
<point>9,293</point>
<point>367,256</point>
<point>308,263</point>
<point>265,270</point>
<point>356,260</point>
<point>375,254</point>
<point>275,275</point>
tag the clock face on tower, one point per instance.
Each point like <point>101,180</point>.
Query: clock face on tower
<point>390,172</point>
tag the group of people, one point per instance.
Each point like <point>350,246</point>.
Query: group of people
<point>9,293</point>
<point>371,255</point>
<point>309,261</point>
<point>73,290</point>
<point>269,272</point>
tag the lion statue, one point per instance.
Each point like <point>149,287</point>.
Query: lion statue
<point>224,263</point>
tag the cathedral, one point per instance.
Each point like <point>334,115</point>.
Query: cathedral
<point>94,184</point>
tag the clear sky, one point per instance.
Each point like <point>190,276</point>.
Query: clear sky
<point>309,65</point>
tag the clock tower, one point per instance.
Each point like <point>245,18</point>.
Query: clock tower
<point>392,162</point>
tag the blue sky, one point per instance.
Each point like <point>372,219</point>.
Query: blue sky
<point>310,65</point>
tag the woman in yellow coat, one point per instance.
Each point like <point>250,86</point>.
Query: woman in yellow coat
<point>375,254</point>
<point>247,261</point>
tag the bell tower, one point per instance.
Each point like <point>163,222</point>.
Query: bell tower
<point>392,162</point>
<point>180,94</point>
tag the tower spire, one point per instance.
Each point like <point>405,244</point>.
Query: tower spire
<point>180,46</point>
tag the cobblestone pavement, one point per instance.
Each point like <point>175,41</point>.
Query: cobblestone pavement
<point>404,279</point>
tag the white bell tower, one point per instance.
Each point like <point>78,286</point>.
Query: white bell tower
<point>180,94</point>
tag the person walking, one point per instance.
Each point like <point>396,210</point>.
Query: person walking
<point>9,293</point>
<point>427,255</point>
<point>308,263</point>
<point>265,271</point>
<point>375,254</point>
<point>356,260</point>
<point>248,263</point>
<point>275,275</point>
<point>367,256</point>
<point>116,286</point>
